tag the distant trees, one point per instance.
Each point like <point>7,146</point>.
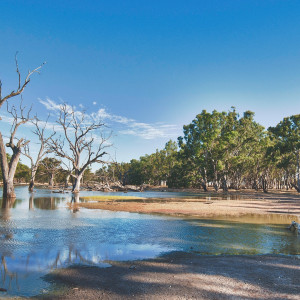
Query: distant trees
<point>286,138</point>
<point>153,169</point>
<point>48,168</point>
<point>223,150</point>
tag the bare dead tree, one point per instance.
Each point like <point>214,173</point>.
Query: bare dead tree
<point>80,149</point>
<point>9,167</point>
<point>39,131</point>
<point>16,145</point>
<point>68,170</point>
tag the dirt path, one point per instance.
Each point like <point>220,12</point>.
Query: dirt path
<point>185,276</point>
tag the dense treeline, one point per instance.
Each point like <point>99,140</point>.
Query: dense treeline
<point>219,149</point>
<point>223,150</point>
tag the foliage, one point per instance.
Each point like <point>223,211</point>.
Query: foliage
<point>223,150</point>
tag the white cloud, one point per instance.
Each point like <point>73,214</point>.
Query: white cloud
<point>94,102</point>
<point>151,131</point>
<point>129,126</point>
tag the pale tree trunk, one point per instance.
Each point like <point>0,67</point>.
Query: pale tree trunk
<point>76,186</point>
<point>8,189</point>
<point>264,182</point>
<point>203,182</point>
<point>204,185</point>
<point>32,180</point>
<point>67,181</point>
<point>51,182</point>
<point>8,170</point>
<point>224,184</point>
<point>215,181</point>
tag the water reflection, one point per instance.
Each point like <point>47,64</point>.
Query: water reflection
<point>39,233</point>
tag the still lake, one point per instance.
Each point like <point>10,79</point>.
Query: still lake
<point>39,233</point>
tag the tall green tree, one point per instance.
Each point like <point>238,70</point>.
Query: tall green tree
<point>287,140</point>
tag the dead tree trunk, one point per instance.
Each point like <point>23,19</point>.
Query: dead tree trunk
<point>67,180</point>
<point>40,133</point>
<point>80,141</point>
<point>9,168</point>
<point>77,183</point>
<point>32,179</point>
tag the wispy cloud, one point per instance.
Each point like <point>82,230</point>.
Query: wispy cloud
<point>151,131</point>
<point>129,126</point>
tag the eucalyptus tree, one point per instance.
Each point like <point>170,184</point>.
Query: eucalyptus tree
<point>83,147</point>
<point>15,145</point>
<point>287,140</point>
<point>248,150</point>
<point>201,143</point>
<point>48,168</point>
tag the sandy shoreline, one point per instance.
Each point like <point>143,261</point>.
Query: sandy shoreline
<point>184,276</point>
<point>206,207</point>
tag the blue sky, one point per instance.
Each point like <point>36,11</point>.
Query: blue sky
<point>148,67</point>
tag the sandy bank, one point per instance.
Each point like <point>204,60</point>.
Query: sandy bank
<point>212,206</point>
<point>184,276</point>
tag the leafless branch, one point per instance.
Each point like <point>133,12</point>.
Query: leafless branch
<point>19,118</point>
<point>78,132</point>
<point>21,86</point>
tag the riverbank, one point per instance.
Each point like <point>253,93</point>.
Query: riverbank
<point>183,276</point>
<point>204,206</point>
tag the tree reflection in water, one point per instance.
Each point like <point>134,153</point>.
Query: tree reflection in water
<point>74,200</point>
<point>14,271</point>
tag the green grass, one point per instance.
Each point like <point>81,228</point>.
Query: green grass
<point>105,198</point>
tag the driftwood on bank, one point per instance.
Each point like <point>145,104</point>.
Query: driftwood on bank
<point>295,227</point>
<point>112,187</point>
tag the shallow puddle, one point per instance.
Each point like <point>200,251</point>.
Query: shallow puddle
<point>39,233</point>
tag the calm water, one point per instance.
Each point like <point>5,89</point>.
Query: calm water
<point>39,233</point>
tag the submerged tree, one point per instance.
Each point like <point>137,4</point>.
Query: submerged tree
<point>9,168</point>
<point>79,136</point>
<point>39,131</point>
